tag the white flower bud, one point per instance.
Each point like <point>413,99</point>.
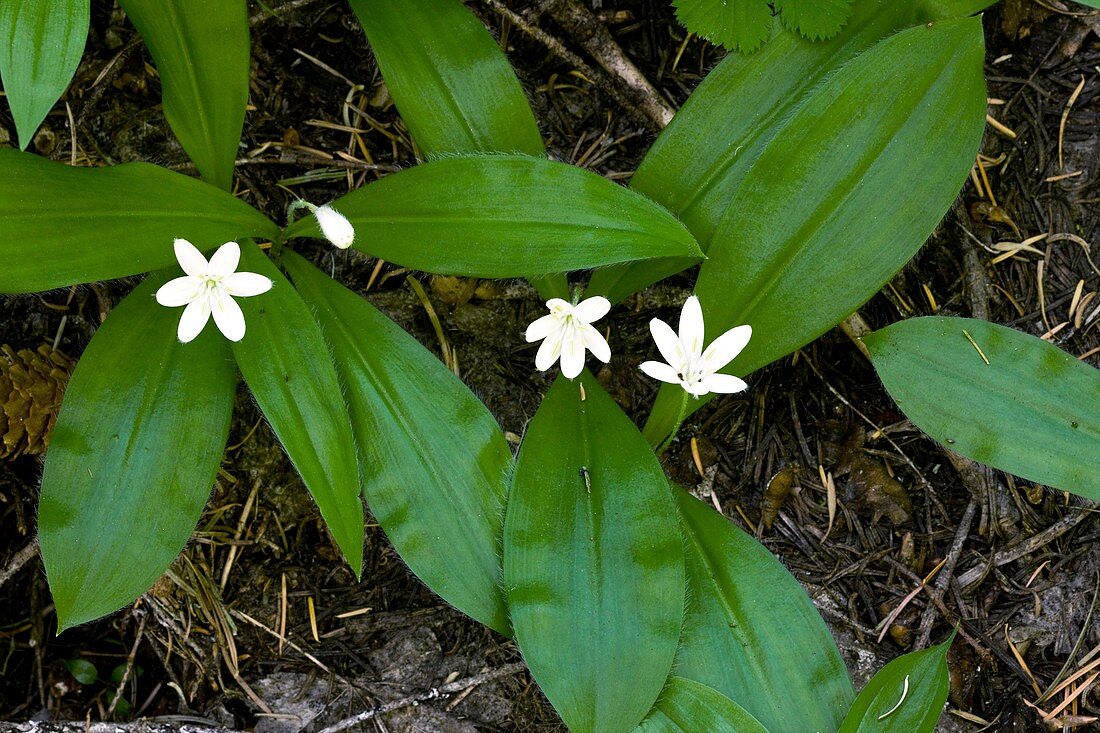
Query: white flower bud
<point>335,226</point>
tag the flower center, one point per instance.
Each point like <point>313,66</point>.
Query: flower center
<point>210,282</point>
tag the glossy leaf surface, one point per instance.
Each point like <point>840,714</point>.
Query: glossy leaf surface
<point>451,82</point>
<point>61,225</point>
<point>41,43</point>
<point>752,633</point>
<point>499,216</point>
<point>288,367</point>
<point>453,85</point>
<point>686,706</point>
<point>906,696</point>
<point>1033,410</point>
<point>820,222</point>
<point>132,457</point>
<point>698,161</point>
<point>593,562</point>
<point>201,50</point>
<point>434,462</point>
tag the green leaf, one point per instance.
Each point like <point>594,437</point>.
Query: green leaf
<point>132,457</point>
<point>41,43</point>
<point>287,365</point>
<point>739,25</point>
<point>814,19</point>
<point>689,707</point>
<point>201,50</point>
<point>500,216</point>
<point>752,633</point>
<point>82,671</point>
<point>906,696</point>
<point>961,8</point>
<point>697,163</point>
<point>832,209</point>
<point>61,225</point>
<point>434,462</point>
<point>1033,410</point>
<point>451,82</point>
<point>593,563</point>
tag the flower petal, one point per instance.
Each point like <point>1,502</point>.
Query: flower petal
<point>725,348</point>
<point>246,284</point>
<point>668,343</point>
<point>696,388</point>
<point>179,291</point>
<point>572,353</point>
<point>541,328</point>
<point>228,316</point>
<point>557,305</point>
<point>225,260</point>
<point>193,320</point>
<point>335,226</point>
<point>549,351</point>
<point>691,327</point>
<point>660,370</point>
<point>723,384</point>
<point>596,343</point>
<point>592,309</point>
<point>190,258</point>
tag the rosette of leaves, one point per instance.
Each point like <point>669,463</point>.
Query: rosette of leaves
<point>621,630</point>
<point>780,166</point>
<point>145,418</point>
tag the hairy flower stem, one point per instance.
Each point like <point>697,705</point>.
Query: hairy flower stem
<point>676,426</point>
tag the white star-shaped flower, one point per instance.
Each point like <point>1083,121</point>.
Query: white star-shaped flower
<point>208,289</point>
<point>688,365</point>
<point>567,331</point>
<point>335,226</point>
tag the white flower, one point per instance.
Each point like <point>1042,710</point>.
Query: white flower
<point>568,332</point>
<point>208,289</point>
<point>335,226</point>
<point>688,365</point>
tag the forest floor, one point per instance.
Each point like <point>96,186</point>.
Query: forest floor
<point>203,646</point>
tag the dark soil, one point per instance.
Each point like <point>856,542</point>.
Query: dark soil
<point>203,645</point>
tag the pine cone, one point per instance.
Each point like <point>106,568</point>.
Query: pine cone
<point>31,384</point>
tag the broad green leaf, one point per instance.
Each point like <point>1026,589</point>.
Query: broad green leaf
<point>814,19</point>
<point>906,696</point>
<point>593,563</point>
<point>1033,410</point>
<point>752,633</point>
<point>832,208</point>
<point>451,82</point>
<point>433,461</point>
<point>1090,3</point>
<point>61,225</point>
<point>697,163</point>
<point>201,50</point>
<point>739,25</point>
<point>41,43</point>
<point>287,365</point>
<point>132,457</point>
<point>500,216</point>
<point>686,706</point>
